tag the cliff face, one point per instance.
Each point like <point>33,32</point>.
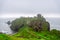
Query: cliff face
<point>39,26</point>
<point>37,23</point>
<point>8,22</point>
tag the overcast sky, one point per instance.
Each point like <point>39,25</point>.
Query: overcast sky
<point>17,8</point>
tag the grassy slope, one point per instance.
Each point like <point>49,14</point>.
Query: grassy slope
<point>30,34</point>
<point>26,33</point>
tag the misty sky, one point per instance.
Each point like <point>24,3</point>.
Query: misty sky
<point>17,8</point>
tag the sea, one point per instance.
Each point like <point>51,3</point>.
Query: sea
<point>5,28</point>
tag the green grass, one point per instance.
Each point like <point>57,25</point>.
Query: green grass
<point>27,33</point>
<point>4,37</point>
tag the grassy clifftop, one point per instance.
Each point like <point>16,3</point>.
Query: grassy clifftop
<point>28,34</point>
<point>31,28</point>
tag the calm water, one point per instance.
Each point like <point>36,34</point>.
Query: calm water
<point>54,24</point>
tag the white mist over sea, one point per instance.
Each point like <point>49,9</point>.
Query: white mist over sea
<point>54,23</point>
<point>4,27</point>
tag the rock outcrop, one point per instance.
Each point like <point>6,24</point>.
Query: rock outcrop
<point>38,23</point>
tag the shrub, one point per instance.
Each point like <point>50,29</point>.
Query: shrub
<point>17,24</point>
<point>55,32</point>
